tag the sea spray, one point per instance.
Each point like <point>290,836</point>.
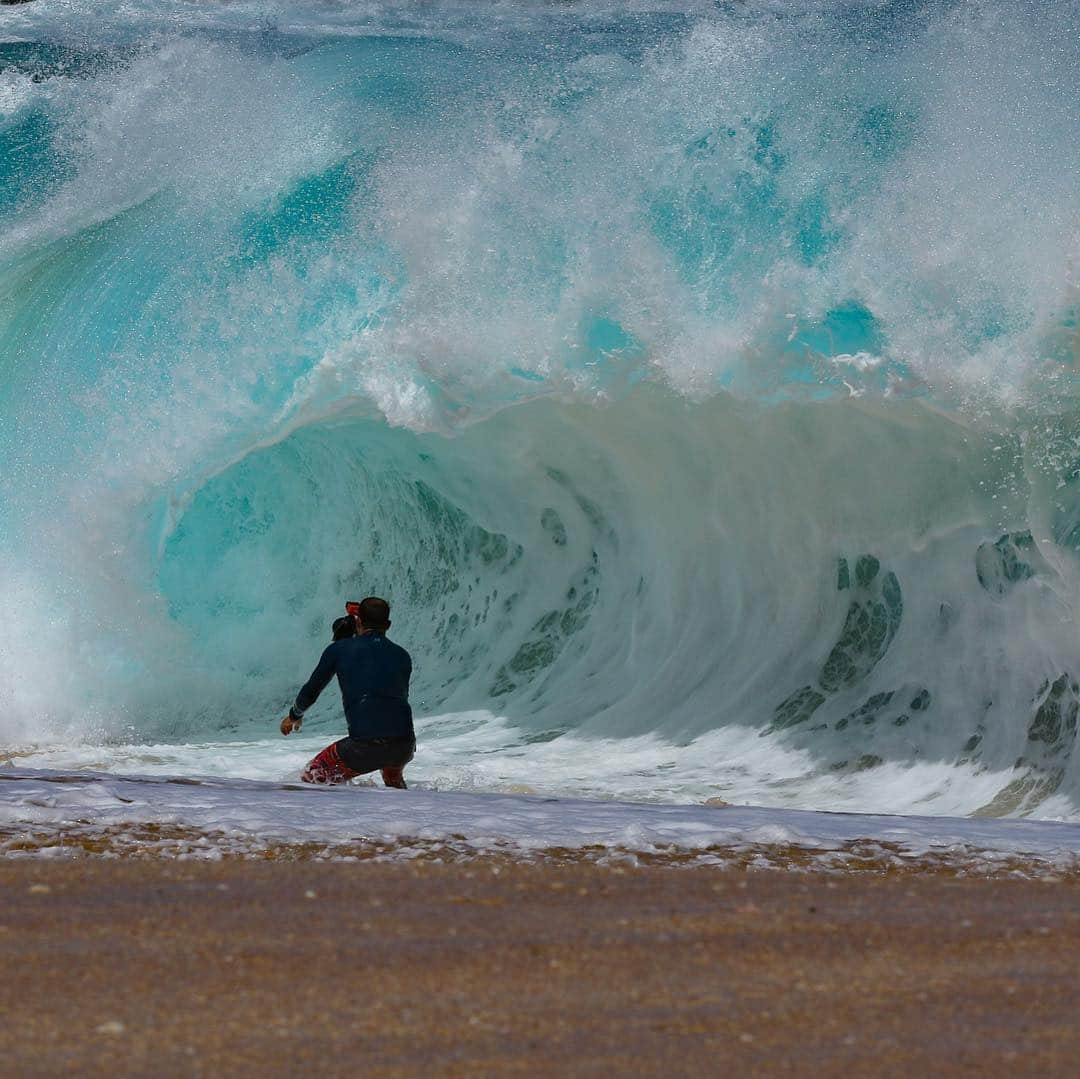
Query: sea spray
<point>672,372</point>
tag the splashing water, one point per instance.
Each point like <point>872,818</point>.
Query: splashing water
<point>697,381</point>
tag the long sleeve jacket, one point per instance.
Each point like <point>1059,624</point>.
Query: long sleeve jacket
<point>373,674</point>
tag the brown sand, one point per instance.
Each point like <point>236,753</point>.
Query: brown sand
<point>159,967</point>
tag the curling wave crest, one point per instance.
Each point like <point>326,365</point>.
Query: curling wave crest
<point>698,384</point>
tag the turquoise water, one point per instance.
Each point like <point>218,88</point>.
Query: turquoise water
<point>673,369</point>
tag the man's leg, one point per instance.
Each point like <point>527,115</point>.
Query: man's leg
<point>328,767</point>
<point>394,776</point>
<point>386,755</point>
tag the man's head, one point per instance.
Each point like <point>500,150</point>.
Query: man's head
<point>374,614</point>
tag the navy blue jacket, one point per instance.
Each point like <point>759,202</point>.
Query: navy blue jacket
<point>374,677</point>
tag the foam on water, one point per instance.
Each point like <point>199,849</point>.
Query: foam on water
<point>698,382</point>
<point>478,751</point>
<point>68,815</point>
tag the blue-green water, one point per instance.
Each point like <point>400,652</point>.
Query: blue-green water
<point>670,367</point>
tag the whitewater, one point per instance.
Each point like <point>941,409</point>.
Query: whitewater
<point>698,381</point>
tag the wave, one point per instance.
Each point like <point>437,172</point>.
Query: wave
<point>670,374</point>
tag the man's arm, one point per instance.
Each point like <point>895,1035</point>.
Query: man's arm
<point>309,692</point>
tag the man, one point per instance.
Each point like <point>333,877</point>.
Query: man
<point>373,674</point>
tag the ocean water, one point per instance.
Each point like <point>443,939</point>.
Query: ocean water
<point>698,381</point>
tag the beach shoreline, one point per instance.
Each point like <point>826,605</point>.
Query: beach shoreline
<point>156,966</point>
<point>49,814</point>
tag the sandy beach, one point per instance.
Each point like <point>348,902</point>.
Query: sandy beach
<point>159,967</point>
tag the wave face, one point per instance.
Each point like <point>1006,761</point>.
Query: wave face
<point>672,371</point>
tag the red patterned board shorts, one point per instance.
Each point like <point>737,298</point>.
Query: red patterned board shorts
<point>350,757</point>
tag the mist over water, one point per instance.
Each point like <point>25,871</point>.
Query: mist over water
<point>697,381</point>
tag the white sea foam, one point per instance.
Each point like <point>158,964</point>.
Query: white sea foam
<point>477,752</point>
<point>15,91</point>
<point>41,811</point>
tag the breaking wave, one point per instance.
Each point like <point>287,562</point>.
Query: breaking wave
<point>670,373</point>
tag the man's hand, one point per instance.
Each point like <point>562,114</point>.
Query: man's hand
<point>288,725</point>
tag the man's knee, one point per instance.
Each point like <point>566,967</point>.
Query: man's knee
<point>321,776</point>
<point>327,768</point>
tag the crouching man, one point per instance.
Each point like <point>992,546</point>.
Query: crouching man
<point>373,674</point>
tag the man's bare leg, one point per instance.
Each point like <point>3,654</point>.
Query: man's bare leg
<point>394,777</point>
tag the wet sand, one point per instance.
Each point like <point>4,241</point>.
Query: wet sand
<point>157,967</point>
